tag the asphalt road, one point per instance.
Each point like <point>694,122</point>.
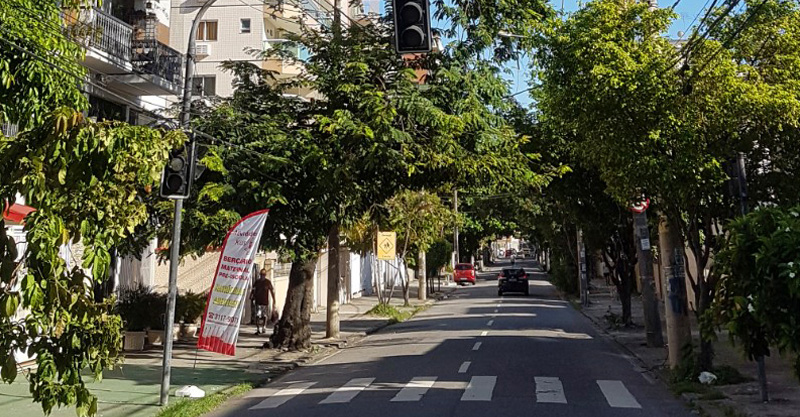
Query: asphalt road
<point>474,354</point>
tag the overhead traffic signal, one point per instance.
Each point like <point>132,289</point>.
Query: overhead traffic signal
<point>176,181</point>
<point>412,26</point>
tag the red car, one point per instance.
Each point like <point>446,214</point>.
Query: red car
<point>464,274</point>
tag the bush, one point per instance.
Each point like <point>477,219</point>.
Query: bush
<point>190,307</point>
<point>141,308</point>
<point>564,275</point>
<point>395,315</point>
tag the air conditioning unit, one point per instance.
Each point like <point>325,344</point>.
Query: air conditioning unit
<point>202,50</point>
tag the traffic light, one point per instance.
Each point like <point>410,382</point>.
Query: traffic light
<point>176,181</point>
<point>412,26</point>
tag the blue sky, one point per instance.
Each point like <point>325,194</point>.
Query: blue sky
<point>686,9</point>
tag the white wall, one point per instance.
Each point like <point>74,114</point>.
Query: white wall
<point>231,44</point>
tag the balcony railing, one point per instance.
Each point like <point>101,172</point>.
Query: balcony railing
<point>94,28</point>
<point>295,51</point>
<point>153,57</point>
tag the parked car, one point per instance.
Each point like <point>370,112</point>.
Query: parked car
<point>464,274</point>
<point>512,280</point>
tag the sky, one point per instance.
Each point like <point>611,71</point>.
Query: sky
<point>686,9</point>
<point>688,14</point>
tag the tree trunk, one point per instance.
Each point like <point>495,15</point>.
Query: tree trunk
<point>676,309</point>
<point>624,284</point>
<point>293,331</point>
<point>706,359</point>
<point>334,287</point>
<point>406,280</point>
<point>422,277</point>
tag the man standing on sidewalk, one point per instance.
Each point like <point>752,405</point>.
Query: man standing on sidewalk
<point>263,291</point>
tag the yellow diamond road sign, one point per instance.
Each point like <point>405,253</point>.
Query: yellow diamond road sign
<point>386,246</point>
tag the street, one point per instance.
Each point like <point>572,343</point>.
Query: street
<point>474,354</point>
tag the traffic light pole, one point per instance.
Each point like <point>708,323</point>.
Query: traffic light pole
<point>174,253</point>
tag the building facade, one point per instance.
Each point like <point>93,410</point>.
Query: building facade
<point>133,72</point>
<point>243,30</point>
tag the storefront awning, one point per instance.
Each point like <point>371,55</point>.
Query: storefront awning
<point>16,213</point>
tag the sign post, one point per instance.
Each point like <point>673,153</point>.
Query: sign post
<point>652,320</point>
<point>228,294</point>
<point>387,249</point>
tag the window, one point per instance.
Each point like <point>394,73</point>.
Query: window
<point>205,86</point>
<point>207,31</point>
<point>245,25</point>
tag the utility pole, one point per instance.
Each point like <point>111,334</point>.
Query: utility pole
<point>174,253</point>
<point>652,319</point>
<point>455,229</point>
<point>676,305</point>
<point>583,278</point>
<point>741,175</point>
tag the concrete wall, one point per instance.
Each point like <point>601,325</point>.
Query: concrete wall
<point>231,44</point>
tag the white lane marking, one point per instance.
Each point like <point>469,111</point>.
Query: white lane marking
<point>480,388</point>
<point>484,333</point>
<point>476,346</point>
<point>464,367</point>
<point>549,390</point>
<point>498,305</point>
<point>490,322</point>
<point>617,395</point>
<point>348,391</point>
<point>415,389</point>
<point>496,310</point>
<point>283,395</point>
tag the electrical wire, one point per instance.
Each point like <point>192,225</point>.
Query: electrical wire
<point>58,29</point>
<point>726,44</point>
<point>119,97</point>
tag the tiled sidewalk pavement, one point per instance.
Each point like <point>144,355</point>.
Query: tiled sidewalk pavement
<point>132,390</point>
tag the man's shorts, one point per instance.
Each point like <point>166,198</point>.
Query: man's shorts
<point>261,311</point>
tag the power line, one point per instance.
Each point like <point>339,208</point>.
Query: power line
<point>58,29</point>
<point>733,37</point>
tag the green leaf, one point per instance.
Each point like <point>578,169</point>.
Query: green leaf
<point>9,371</point>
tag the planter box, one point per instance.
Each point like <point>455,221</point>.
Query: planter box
<point>133,341</point>
<point>188,331</point>
<point>156,337</point>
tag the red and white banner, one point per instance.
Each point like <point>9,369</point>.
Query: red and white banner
<point>228,294</point>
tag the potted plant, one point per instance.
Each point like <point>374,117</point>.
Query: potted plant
<point>134,309</point>
<point>191,308</point>
<point>157,305</point>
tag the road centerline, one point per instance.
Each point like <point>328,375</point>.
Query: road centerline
<point>464,367</point>
<point>476,346</point>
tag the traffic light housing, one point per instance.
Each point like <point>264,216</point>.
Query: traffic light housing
<point>176,180</point>
<point>412,26</point>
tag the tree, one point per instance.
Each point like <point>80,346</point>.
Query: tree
<point>419,218</point>
<point>758,297</point>
<point>29,87</point>
<point>649,129</point>
<point>88,183</point>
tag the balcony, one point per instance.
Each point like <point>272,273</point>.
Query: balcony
<point>134,66</point>
<point>107,39</point>
<point>287,15</point>
<point>158,68</point>
<point>284,67</point>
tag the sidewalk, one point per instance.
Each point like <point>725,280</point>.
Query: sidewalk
<point>740,399</point>
<point>133,389</point>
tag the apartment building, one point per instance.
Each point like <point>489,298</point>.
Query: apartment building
<point>133,70</point>
<point>240,30</point>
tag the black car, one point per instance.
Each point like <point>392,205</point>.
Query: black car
<point>512,280</point>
